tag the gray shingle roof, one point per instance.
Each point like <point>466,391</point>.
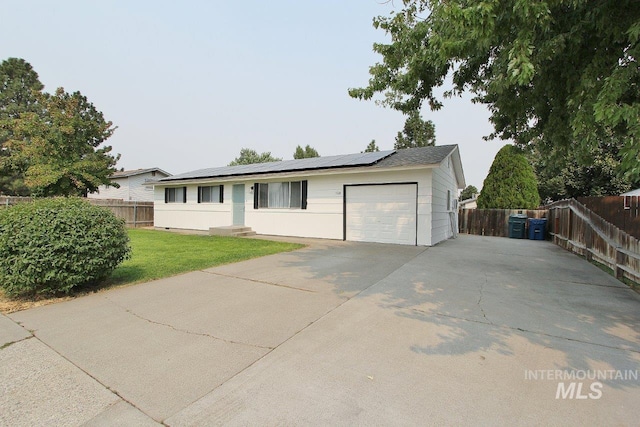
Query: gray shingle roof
<point>417,156</point>
<point>380,159</point>
<point>134,172</point>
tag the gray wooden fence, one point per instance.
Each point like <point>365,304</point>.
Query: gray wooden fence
<point>491,222</point>
<point>580,230</point>
<point>135,214</point>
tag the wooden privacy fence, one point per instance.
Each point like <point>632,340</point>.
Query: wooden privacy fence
<point>621,211</point>
<point>580,230</point>
<point>491,222</point>
<point>135,214</point>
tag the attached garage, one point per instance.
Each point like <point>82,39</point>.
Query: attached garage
<point>383,213</point>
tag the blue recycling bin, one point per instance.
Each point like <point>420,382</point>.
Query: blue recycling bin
<point>537,228</point>
<point>517,226</point>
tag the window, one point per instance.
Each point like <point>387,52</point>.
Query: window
<point>283,195</point>
<point>296,195</point>
<point>211,194</point>
<point>175,195</point>
<point>448,200</point>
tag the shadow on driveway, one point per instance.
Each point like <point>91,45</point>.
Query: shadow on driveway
<point>530,288</point>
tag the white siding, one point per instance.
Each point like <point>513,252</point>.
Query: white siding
<point>323,217</point>
<point>444,221</point>
<point>192,215</point>
<point>131,188</point>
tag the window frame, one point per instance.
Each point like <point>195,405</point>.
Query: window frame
<point>262,195</point>
<point>216,200</point>
<point>169,190</point>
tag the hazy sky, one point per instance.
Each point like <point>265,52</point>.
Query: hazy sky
<point>190,83</point>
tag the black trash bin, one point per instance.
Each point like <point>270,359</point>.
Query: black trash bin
<point>537,228</point>
<point>517,226</point>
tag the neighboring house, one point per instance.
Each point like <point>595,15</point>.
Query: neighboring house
<point>635,192</point>
<point>471,203</point>
<point>404,196</point>
<point>135,185</point>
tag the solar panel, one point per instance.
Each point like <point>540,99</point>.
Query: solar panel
<point>359,159</point>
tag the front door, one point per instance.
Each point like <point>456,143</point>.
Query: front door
<point>238,204</point>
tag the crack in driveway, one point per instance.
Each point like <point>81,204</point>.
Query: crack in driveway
<point>486,281</point>
<point>263,282</point>
<point>186,331</point>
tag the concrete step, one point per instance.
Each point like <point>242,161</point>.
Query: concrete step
<point>231,230</point>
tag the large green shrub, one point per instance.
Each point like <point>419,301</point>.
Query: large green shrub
<point>511,182</point>
<point>50,246</point>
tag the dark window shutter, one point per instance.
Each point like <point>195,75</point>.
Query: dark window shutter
<point>303,205</point>
<point>184,197</point>
<point>256,195</point>
<point>222,194</point>
<point>199,194</point>
<point>166,195</point>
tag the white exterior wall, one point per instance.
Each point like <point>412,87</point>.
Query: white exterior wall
<point>323,217</point>
<point>192,215</point>
<point>444,222</point>
<point>131,188</point>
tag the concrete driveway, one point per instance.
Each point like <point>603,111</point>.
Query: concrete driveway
<point>473,331</point>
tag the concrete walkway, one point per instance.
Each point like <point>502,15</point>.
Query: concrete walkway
<point>473,331</point>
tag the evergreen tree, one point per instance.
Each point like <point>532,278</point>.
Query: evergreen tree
<point>372,147</point>
<point>511,182</point>
<point>19,87</point>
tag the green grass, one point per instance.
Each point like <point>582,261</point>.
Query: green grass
<point>158,254</point>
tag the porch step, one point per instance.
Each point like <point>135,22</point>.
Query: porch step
<point>232,230</point>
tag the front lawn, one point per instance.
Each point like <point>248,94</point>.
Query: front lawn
<point>158,254</point>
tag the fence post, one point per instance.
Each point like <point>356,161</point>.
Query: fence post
<point>620,258</point>
<point>588,241</point>
<point>135,214</point>
<point>570,229</point>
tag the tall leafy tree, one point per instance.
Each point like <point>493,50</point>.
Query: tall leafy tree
<point>19,87</point>
<point>577,174</point>
<point>372,147</point>
<point>305,153</point>
<point>468,192</point>
<point>511,182</point>
<point>62,146</point>
<point>565,71</point>
<point>416,132</point>
<point>248,156</point>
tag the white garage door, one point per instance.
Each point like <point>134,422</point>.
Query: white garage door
<point>381,213</point>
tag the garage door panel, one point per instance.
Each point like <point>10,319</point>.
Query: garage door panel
<point>381,213</point>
